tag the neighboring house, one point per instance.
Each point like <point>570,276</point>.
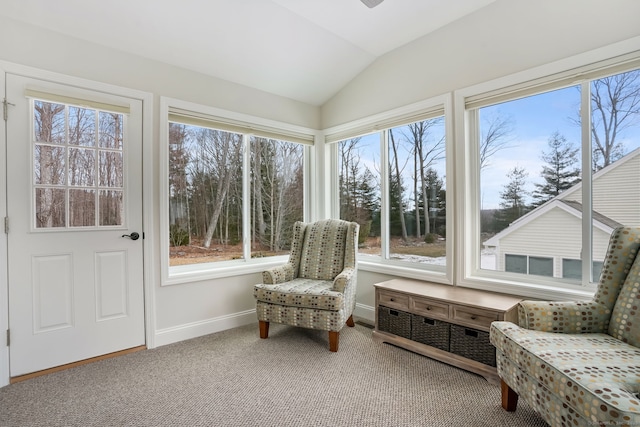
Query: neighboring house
<point>547,240</point>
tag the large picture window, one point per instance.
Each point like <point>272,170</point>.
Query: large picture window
<point>393,183</point>
<point>558,170</point>
<point>233,191</point>
<point>205,194</point>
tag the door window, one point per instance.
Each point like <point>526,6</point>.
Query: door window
<point>78,165</point>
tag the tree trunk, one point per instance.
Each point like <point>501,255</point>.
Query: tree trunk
<point>399,183</point>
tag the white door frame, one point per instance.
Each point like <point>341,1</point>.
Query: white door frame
<point>147,196</point>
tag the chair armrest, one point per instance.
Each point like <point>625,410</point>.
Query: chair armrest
<point>344,279</point>
<point>568,317</point>
<point>280,274</point>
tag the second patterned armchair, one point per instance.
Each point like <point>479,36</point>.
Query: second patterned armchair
<point>316,289</point>
<point>578,363</point>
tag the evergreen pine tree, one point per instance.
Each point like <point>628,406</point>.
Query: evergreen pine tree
<point>513,204</point>
<point>560,172</point>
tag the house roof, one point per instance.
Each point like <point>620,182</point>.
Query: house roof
<point>603,219</point>
<point>571,207</point>
<point>301,49</point>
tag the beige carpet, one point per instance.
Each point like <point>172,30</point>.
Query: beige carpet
<point>233,378</point>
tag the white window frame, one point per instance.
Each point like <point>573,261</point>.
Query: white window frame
<point>583,68</point>
<point>204,271</point>
<point>379,123</point>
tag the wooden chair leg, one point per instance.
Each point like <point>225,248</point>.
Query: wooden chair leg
<point>350,322</point>
<point>264,329</point>
<point>509,397</point>
<point>333,341</point>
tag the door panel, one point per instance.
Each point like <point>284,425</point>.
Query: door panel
<point>74,194</point>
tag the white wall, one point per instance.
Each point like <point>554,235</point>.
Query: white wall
<point>503,38</point>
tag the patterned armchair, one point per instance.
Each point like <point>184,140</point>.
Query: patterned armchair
<point>578,363</point>
<point>316,289</point>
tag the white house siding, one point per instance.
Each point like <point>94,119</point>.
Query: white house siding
<point>556,234</point>
<point>616,193</point>
<point>600,244</point>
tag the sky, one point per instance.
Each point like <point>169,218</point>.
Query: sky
<point>534,120</point>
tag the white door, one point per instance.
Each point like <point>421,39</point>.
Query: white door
<point>74,202</point>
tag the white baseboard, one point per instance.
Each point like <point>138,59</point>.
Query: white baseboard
<point>365,312</point>
<point>204,327</point>
<point>217,324</point>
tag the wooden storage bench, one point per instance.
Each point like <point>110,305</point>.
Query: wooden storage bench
<point>447,323</point>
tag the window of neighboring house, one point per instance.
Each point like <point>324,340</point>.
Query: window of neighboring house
<point>232,196</point>
<point>541,266</point>
<point>572,269</point>
<point>524,264</point>
<point>533,150</point>
<point>515,263</point>
<point>393,183</point>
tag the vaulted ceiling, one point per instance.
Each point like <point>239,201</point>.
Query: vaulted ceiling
<point>306,50</point>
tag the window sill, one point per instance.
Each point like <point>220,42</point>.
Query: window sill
<point>436,274</point>
<point>216,270</point>
<point>542,290</point>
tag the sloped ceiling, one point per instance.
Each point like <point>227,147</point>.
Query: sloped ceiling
<point>306,50</point>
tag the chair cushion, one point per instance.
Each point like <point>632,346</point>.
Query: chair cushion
<point>625,319</point>
<point>323,250</point>
<point>309,293</point>
<point>595,374</point>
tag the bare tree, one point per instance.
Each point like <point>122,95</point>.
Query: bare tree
<point>425,155</point>
<point>223,150</point>
<point>49,121</point>
<point>615,105</point>
<point>258,226</point>
<point>398,176</point>
<point>289,162</point>
<point>179,207</point>
<point>496,136</point>
<point>276,190</point>
<point>349,168</point>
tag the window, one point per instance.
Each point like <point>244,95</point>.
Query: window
<point>572,269</point>
<point>541,266</point>
<point>277,194</point>
<point>205,194</point>
<point>234,190</point>
<point>78,165</point>
<point>515,263</point>
<point>393,183</point>
<point>359,189</point>
<point>416,192</point>
<point>558,162</point>
<point>528,265</point>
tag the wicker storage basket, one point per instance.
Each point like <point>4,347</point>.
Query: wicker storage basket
<point>472,344</point>
<point>395,322</point>
<point>430,331</point>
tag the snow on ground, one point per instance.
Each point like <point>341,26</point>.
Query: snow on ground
<point>487,259</point>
